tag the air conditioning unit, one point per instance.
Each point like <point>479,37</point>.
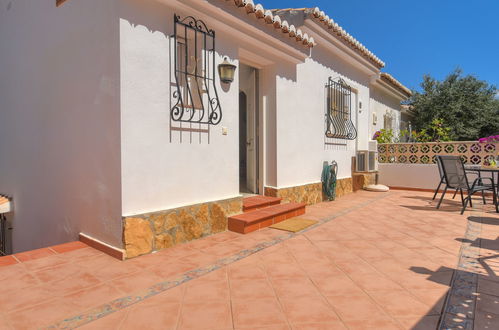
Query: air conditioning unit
<point>367,160</point>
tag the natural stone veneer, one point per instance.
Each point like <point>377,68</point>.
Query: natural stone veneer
<point>309,193</point>
<point>361,180</point>
<point>150,232</point>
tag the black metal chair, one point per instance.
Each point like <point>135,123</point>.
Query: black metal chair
<point>455,178</point>
<point>442,180</point>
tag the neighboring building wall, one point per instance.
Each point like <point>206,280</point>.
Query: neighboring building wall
<point>59,120</point>
<point>383,103</point>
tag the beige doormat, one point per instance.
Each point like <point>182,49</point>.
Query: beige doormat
<point>294,224</point>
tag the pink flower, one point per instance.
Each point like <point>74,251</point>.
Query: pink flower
<point>482,140</point>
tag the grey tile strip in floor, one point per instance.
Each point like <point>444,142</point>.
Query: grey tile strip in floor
<point>460,305</point>
<point>123,302</point>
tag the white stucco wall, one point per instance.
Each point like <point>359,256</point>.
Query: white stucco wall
<point>59,120</point>
<point>382,102</point>
<point>421,176</point>
<point>158,174</point>
<point>301,143</point>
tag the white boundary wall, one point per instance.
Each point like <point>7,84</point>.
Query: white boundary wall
<point>419,176</point>
<point>59,120</point>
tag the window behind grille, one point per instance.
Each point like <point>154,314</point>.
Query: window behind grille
<point>195,98</point>
<point>339,110</point>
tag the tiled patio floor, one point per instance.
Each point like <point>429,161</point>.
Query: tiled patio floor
<point>375,261</point>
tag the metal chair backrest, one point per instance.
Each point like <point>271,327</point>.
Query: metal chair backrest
<point>440,170</point>
<point>454,172</point>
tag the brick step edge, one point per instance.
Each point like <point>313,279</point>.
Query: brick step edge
<point>243,226</point>
<point>260,203</point>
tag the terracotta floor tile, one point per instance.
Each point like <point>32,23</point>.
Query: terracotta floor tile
<point>251,289</point>
<point>355,307</point>
<point>339,285</point>
<point>377,323</point>
<point>13,271</point>
<point>152,316</point>
<point>24,297</point>
<point>299,287</point>
<point>136,282</point>
<point>67,247</point>
<point>220,274</point>
<point>74,283</point>
<point>45,262</point>
<point>34,254</point>
<point>246,271</point>
<point>356,266</point>
<point>285,270</point>
<point>93,297</point>
<point>172,270</point>
<point>271,327</point>
<point>308,310</point>
<point>375,282</point>
<point>320,326</point>
<point>400,303</point>
<point>111,270</point>
<point>40,315</point>
<point>419,323</point>
<point>205,315</point>
<point>57,273</point>
<point>257,313</point>
<point>108,322</point>
<point>22,281</point>
<point>433,298</point>
<point>382,265</point>
<point>200,259</point>
<point>7,261</point>
<point>83,253</point>
<point>202,290</point>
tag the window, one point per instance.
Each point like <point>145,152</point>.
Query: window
<point>388,120</point>
<point>339,110</point>
<point>195,96</point>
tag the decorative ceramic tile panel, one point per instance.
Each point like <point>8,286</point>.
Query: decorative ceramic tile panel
<point>425,153</point>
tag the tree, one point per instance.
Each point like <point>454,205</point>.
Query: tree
<point>464,104</point>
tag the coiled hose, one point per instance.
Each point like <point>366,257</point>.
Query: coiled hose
<point>328,178</point>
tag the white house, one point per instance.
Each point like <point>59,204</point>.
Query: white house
<point>115,123</point>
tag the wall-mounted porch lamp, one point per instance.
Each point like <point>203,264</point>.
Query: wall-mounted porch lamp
<point>226,71</point>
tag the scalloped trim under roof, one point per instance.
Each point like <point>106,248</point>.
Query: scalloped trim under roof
<point>279,24</point>
<point>335,29</point>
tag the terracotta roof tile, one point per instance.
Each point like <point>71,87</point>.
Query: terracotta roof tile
<point>279,24</point>
<point>395,83</point>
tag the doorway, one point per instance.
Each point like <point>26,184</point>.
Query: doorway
<point>248,130</point>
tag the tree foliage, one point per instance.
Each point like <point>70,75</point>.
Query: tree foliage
<point>464,104</point>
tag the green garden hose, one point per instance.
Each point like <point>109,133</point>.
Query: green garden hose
<point>329,173</point>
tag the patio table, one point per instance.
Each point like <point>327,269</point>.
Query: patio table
<point>486,169</point>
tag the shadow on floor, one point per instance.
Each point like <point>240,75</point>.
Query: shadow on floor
<point>485,220</point>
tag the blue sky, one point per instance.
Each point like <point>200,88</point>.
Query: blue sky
<point>419,37</point>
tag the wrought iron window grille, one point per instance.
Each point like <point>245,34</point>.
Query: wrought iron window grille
<point>195,97</point>
<point>339,110</point>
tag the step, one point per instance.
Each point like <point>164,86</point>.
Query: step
<point>250,221</point>
<point>259,202</point>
